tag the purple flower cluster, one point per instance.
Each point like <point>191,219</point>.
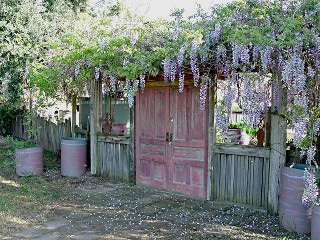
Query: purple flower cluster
<point>134,36</point>
<point>293,75</point>
<point>255,94</point>
<point>310,193</point>
<point>214,35</point>
<point>193,63</point>
<point>181,82</point>
<point>266,58</point>
<point>76,69</point>
<point>96,73</point>
<point>203,92</point>
<point>240,54</point>
<point>113,83</point>
<point>142,81</point>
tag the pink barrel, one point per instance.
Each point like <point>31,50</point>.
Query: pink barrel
<point>29,161</point>
<point>73,156</point>
<point>294,216</point>
<point>315,223</point>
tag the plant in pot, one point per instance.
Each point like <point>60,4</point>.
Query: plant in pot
<point>28,154</point>
<point>239,133</point>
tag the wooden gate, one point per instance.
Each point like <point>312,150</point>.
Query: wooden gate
<point>171,141</point>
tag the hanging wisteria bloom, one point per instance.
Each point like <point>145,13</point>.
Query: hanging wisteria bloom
<point>193,63</point>
<point>134,36</point>
<point>293,74</point>
<point>266,58</point>
<point>142,81</point>
<point>310,193</point>
<point>255,98</point>
<point>96,73</point>
<point>181,82</point>
<point>113,83</point>
<point>166,68</point>
<point>203,92</point>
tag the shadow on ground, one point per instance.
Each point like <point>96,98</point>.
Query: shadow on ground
<point>95,208</point>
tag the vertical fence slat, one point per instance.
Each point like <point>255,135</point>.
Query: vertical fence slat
<point>50,134</point>
<point>114,160</point>
<point>241,176</point>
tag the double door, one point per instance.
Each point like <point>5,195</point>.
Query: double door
<point>171,140</point>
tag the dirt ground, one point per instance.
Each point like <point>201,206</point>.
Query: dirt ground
<point>95,208</point>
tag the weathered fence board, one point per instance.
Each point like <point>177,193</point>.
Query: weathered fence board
<point>50,134</point>
<point>114,158</point>
<point>241,174</point>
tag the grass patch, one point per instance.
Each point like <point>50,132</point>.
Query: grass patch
<point>25,200</point>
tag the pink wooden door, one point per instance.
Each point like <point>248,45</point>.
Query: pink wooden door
<point>179,165</point>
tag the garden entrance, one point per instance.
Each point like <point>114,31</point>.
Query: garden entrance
<point>171,140</point>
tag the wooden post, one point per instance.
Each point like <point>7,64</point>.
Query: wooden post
<point>211,140</point>
<point>73,114</point>
<point>95,123</point>
<point>132,155</point>
<point>278,136</point>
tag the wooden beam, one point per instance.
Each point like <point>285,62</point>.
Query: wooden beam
<point>242,150</point>
<point>278,136</point>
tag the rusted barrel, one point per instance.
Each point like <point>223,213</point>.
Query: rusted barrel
<point>294,216</point>
<point>29,161</point>
<point>315,223</point>
<point>73,156</point>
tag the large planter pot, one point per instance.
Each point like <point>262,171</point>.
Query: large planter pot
<point>73,156</point>
<point>315,223</point>
<point>233,135</point>
<point>293,215</point>
<point>29,161</point>
<point>119,129</point>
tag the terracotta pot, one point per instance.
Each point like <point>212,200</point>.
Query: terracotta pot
<point>293,215</point>
<point>73,156</point>
<point>29,161</point>
<point>119,129</point>
<point>233,135</point>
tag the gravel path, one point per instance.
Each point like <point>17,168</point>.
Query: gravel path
<point>95,208</point>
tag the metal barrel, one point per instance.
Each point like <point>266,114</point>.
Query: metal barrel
<point>293,215</point>
<point>29,161</point>
<point>315,223</point>
<point>73,156</point>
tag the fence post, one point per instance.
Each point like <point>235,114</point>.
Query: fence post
<point>95,123</point>
<point>278,137</point>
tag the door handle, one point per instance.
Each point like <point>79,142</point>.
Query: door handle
<point>169,137</point>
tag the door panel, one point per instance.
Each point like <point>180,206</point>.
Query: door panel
<point>181,165</point>
<point>188,148</point>
<point>151,147</point>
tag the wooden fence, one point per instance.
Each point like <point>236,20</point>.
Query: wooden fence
<point>241,174</point>
<point>115,160</point>
<point>50,133</point>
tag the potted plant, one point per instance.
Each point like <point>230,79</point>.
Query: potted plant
<point>28,154</point>
<point>239,133</point>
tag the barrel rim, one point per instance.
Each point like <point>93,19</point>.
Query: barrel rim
<point>299,166</point>
<point>29,149</point>
<point>75,139</point>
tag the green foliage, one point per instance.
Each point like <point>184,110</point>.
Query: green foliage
<point>247,129</point>
<point>23,40</point>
